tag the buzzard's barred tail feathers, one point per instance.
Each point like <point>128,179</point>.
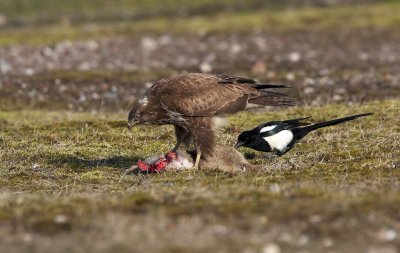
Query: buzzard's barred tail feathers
<point>273,99</point>
<point>261,86</point>
<point>230,79</point>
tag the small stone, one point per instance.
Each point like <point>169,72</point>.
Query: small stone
<point>47,51</point>
<point>294,56</point>
<point>62,88</point>
<point>60,219</point>
<point>149,44</point>
<point>309,81</point>
<point>84,66</point>
<point>271,248</point>
<point>95,95</point>
<point>219,229</point>
<point>387,235</point>
<point>327,242</point>
<point>290,76</point>
<point>303,240</point>
<point>308,90</point>
<point>341,91</point>
<point>222,45</point>
<point>165,40</point>
<point>3,19</point>
<point>82,97</point>
<point>32,93</point>
<point>110,95</point>
<point>205,67</point>
<point>337,97</point>
<point>286,237</point>
<point>259,67</point>
<point>364,56</point>
<point>275,188</point>
<point>263,219</point>
<point>27,238</point>
<point>5,67</point>
<point>92,45</point>
<point>324,72</point>
<point>315,218</point>
<point>235,48</point>
<point>29,72</point>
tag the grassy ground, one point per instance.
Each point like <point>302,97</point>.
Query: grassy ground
<point>25,12</point>
<point>61,179</point>
<point>64,143</point>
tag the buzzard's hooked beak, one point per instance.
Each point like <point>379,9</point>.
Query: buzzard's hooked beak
<point>239,144</point>
<point>131,123</point>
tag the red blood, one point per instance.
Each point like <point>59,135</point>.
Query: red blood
<point>142,166</point>
<point>170,156</point>
<point>159,165</point>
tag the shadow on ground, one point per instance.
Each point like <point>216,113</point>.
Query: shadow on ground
<point>79,163</point>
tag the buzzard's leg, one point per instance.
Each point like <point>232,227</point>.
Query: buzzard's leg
<point>178,143</point>
<point>181,136</point>
<point>197,160</point>
<point>203,138</point>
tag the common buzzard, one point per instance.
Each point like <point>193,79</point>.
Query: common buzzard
<point>191,101</point>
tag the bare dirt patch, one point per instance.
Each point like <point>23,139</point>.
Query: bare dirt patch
<point>322,67</point>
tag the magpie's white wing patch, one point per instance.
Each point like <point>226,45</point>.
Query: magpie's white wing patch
<point>280,140</point>
<point>267,128</point>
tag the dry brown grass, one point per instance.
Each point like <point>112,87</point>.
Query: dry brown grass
<point>336,191</point>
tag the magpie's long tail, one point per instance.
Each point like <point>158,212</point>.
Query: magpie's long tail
<point>299,133</point>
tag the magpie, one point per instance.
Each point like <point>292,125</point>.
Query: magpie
<point>280,136</point>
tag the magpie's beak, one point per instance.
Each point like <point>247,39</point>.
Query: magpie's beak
<point>132,122</point>
<point>239,144</point>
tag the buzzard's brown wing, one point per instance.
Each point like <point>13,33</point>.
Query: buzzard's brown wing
<point>206,95</point>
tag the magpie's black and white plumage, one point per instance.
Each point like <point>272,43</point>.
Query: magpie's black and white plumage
<point>280,136</point>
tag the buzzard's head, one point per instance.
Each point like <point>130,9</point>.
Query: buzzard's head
<point>141,113</point>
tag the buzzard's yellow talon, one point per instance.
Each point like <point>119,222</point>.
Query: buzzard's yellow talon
<point>197,161</point>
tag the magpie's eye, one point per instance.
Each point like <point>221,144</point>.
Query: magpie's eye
<point>247,139</point>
